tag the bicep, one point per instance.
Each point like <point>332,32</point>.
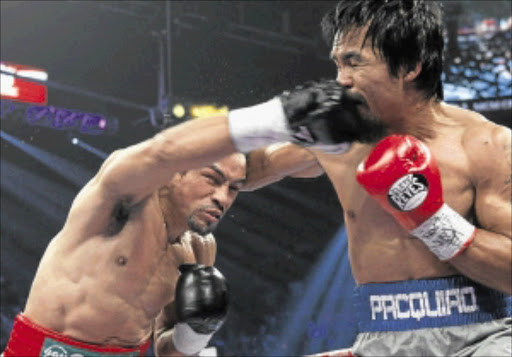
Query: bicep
<point>132,172</point>
<point>275,162</point>
<point>493,212</point>
<point>139,170</point>
<point>493,203</point>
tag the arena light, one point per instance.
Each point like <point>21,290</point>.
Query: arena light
<point>59,118</point>
<point>313,315</point>
<point>178,111</point>
<point>205,110</point>
<point>71,120</point>
<point>13,86</point>
<point>67,169</point>
<point>87,147</point>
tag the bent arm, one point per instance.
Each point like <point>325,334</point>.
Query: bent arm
<point>489,258</point>
<point>275,162</point>
<point>204,248</point>
<point>162,336</point>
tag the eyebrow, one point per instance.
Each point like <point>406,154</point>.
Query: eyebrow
<point>218,171</point>
<point>223,176</point>
<point>347,56</point>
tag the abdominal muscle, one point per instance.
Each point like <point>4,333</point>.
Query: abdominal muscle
<point>89,296</point>
<point>380,250</point>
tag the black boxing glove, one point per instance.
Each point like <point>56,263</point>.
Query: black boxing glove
<point>318,114</point>
<point>201,302</point>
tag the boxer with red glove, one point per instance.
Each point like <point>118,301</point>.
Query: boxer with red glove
<point>402,175</point>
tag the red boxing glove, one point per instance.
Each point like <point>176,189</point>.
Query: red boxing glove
<point>402,175</point>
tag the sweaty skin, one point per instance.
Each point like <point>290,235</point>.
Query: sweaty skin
<point>109,292</point>
<point>473,155</point>
<point>380,249</point>
<point>113,267</point>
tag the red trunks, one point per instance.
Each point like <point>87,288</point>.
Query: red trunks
<point>30,339</point>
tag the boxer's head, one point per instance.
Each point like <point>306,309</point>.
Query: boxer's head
<point>198,199</point>
<point>388,54</point>
<point>404,33</point>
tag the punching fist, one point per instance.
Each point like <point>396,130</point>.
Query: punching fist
<point>324,113</point>
<point>319,114</point>
<point>403,176</point>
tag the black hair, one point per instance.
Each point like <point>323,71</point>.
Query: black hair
<point>405,32</point>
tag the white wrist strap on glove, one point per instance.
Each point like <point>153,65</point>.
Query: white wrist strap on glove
<point>265,124</point>
<point>187,341</point>
<point>446,233</point>
<point>259,126</point>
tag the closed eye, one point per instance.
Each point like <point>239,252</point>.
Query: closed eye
<point>350,62</point>
<point>351,59</point>
<point>212,179</point>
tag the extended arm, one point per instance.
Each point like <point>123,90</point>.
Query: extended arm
<point>139,170</point>
<point>275,162</point>
<point>489,258</point>
<point>319,114</point>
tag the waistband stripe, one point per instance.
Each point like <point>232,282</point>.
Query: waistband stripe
<point>407,305</point>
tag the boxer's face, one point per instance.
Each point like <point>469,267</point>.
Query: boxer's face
<point>366,74</point>
<point>202,197</point>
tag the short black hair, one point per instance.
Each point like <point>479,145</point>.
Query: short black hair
<point>406,32</point>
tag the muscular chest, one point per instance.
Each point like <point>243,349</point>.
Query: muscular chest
<point>379,248</point>
<point>361,209</point>
<point>140,263</point>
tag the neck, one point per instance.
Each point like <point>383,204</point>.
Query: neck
<point>418,118</point>
<point>172,229</point>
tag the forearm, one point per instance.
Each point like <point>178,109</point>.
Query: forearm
<point>278,161</point>
<point>164,345</point>
<point>487,260</point>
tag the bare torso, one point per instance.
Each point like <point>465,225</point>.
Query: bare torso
<point>380,250</point>
<point>104,282</point>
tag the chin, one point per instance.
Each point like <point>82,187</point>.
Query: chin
<point>199,227</point>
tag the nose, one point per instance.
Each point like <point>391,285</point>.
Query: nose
<point>344,78</point>
<point>221,198</point>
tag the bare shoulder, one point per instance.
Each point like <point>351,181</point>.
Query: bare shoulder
<point>488,146</point>
<point>95,188</point>
<point>488,149</point>
<point>97,195</point>
<point>204,247</point>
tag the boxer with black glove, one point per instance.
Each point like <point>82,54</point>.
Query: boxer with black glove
<point>319,114</point>
<point>201,303</point>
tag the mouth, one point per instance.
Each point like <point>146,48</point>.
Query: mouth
<point>212,215</point>
<point>356,98</point>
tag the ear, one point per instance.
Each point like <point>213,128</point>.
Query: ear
<point>411,75</point>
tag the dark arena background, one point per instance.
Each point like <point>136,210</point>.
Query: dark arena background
<point>80,79</point>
